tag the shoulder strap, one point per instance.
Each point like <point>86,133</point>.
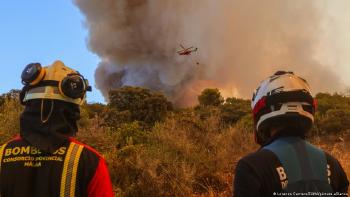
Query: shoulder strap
<point>70,169</point>
<point>300,160</point>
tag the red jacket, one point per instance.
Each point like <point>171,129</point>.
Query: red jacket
<point>74,169</point>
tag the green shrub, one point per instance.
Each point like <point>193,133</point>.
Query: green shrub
<point>333,113</point>
<point>137,104</point>
<point>94,109</point>
<point>234,109</point>
<point>245,123</point>
<point>327,101</point>
<point>210,97</point>
<point>130,134</point>
<point>334,121</point>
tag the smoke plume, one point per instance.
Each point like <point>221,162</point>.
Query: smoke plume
<point>240,42</point>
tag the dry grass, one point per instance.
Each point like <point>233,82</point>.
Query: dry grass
<point>183,156</point>
<point>339,147</point>
<point>9,119</point>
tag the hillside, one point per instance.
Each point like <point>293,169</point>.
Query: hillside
<point>155,149</point>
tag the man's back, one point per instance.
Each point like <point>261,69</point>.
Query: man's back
<point>263,174</point>
<point>283,107</point>
<point>74,169</point>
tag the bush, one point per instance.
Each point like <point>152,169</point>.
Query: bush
<point>11,95</point>
<point>326,101</point>
<point>245,123</point>
<point>10,112</point>
<point>130,134</point>
<point>94,109</point>
<point>114,118</point>
<point>234,109</point>
<point>136,104</point>
<point>210,97</point>
<point>334,121</point>
<point>333,113</point>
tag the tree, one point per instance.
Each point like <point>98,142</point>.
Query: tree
<point>137,104</point>
<point>210,97</point>
<point>234,109</point>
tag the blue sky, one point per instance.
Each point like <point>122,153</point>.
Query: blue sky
<point>43,31</point>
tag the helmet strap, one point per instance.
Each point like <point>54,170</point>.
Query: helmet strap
<point>42,111</point>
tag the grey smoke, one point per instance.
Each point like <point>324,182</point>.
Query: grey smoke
<point>240,42</point>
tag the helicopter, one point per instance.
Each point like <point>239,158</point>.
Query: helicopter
<point>186,51</point>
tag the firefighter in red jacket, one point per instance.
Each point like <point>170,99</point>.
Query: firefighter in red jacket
<point>45,160</point>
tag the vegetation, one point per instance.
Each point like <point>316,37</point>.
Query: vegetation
<point>129,104</point>
<point>234,109</point>
<point>333,114</point>
<point>153,150</point>
<point>210,97</point>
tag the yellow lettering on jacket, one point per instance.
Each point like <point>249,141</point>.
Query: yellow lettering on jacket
<point>32,164</point>
<point>60,151</point>
<point>25,149</point>
<point>8,151</point>
<point>16,150</point>
<point>34,151</point>
<point>30,150</point>
<point>22,150</point>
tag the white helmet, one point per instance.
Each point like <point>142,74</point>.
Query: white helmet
<point>283,95</point>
